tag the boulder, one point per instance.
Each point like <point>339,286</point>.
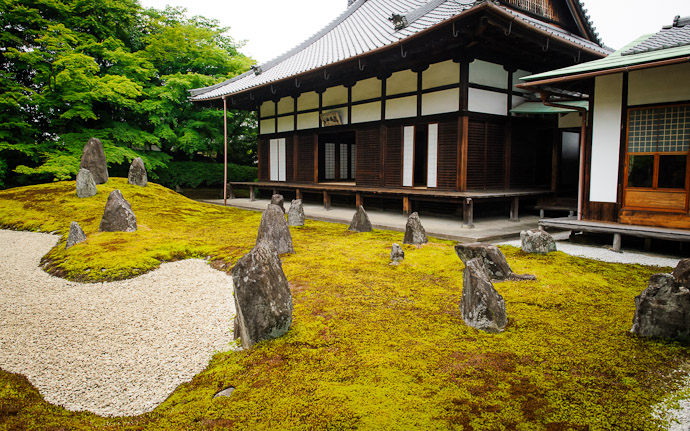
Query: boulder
<point>278,200</point>
<point>137,173</point>
<point>663,309</point>
<point>118,215</point>
<point>397,254</point>
<point>537,241</point>
<point>414,231</point>
<point>274,230</point>
<point>296,213</point>
<point>262,296</point>
<point>75,236</point>
<point>93,159</point>
<point>86,185</point>
<point>494,261</point>
<point>481,306</point>
<point>682,272</point>
<point>360,221</point>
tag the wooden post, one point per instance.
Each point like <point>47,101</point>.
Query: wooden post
<point>514,205</point>
<point>275,191</point>
<point>252,193</point>
<point>617,242</point>
<point>298,194</point>
<point>225,151</point>
<point>407,207</point>
<point>468,213</point>
<point>231,191</point>
<point>359,201</point>
<point>326,201</point>
<point>647,244</point>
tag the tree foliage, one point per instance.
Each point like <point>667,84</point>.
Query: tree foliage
<point>75,69</point>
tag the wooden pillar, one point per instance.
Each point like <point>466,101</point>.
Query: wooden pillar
<point>252,193</point>
<point>359,201</point>
<point>514,206</point>
<point>647,244</point>
<point>407,207</point>
<point>326,200</point>
<point>298,194</point>
<point>617,242</point>
<point>468,213</point>
<point>275,191</point>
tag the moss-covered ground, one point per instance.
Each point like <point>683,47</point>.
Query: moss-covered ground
<point>371,346</point>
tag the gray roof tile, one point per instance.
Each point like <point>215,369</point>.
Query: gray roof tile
<point>672,36</point>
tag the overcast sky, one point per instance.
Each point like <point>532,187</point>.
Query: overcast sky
<point>272,27</point>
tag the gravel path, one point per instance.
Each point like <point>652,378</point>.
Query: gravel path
<point>115,349</point>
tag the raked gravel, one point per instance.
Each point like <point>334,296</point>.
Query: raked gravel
<point>115,349</point>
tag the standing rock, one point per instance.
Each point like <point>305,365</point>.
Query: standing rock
<point>682,272</point>
<point>360,221</point>
<point>76,235</point>
<point>278,200</point>
<point>537,241</point>
<point>137,173</point>
<point>86,185</point>
<point>118,215</point>
<point>262,296</point>
<point>274,230</point>
<point>481,307</point>
<point>494,261</point>
<point>414,231</point>
<point>397,254</point>
<point>663,309</point>
<point>93,159</point>
<point>296,213</point>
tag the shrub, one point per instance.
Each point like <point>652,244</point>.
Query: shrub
<point>196,174</point>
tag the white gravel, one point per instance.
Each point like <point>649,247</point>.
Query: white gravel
<point>115,349</point>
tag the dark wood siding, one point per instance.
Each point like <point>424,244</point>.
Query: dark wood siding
<point>289,158</point>
<point>485,156</point>
<point>368,168</point>
<point>264,158</point>
<point>447,155</point>
<point>531,152</point>
<point>393,167</point>
<point>305,158</point>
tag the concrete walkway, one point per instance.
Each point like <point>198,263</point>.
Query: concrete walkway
<point>485,229</point>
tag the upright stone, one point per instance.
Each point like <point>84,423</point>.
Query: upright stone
<point>481,307</point>
<point>537,241</point>
<point>663,309</point>
<point>86,185</point>
<point>262,296</point>
<point>397,254</point>
<point>278,200</point>
<point>682,272</point>
<point>414,231</point>
<point>296,213</point>
<point>118,215</point>
<point>137,173</point>
<point>93,159</point>
<point>360,221</point>
<point>75,236</point>
<point>274,230</point>
<point>494,261</point>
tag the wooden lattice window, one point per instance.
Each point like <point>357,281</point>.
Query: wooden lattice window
<point>537,7</point>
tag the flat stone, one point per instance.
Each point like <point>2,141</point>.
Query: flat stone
<point>296,213</point>
<point>537,241</point>
<point>86,185</point>
<point>481,307</point>
<point>93,159</point>
<point>414,231</point>
<point>75,236</point>
<point>360,221</point>
<point>494,261</point>
<point>224,393</point>
<point>275,230</point>
<point>137,173</point>
<point>118,215</point>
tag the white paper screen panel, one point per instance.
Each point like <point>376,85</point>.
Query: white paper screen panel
<point>281,159</point>
<point>343,161</point>
<point>329,161</point>
<point>273,150</point>
<point>408,155</point>
<point>432,155</point>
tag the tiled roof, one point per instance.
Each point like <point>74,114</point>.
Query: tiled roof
<point>363,27</point>
<point>671,36</point>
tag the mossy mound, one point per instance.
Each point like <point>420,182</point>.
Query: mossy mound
<point>372,346</point>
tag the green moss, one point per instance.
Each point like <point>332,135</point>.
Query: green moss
<point>371,346</point>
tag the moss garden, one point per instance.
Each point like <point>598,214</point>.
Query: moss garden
<point>371,346</point>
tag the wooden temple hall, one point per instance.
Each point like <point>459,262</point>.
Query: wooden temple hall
<point>415,102</point>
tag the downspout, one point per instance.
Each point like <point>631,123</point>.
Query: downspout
<point>225,151</point>
<point>583,130</point>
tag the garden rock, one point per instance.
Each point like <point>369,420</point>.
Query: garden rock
<point>397,254</point>
<point>494,261</point>
<point>118,215</point>
<point>360,221</point>
<point>75,236</point>
<point>414,231</point>
<point>262,296</point>
<point>137,173</point>
<point>278,200</point>
<point>682,272</point>
<point>93,159</point>
<point>481,307</point>
<point>296,213</point>
<point>537,241</point>
<point>274,230</point>
<point>663,309</point>
<point>86,185</point>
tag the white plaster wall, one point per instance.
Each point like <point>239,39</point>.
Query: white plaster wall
<point>366,112</point>
<point>267,126</point>
<point>286,124</point>
<point>439,102</point>
<point>573,119</point>
<point>404,81</point>
<point>659,85</point>
<point>308,101</point>
<point>487,102</point>
<point>335,96</point>
<point>308,121</point>
<point>286,105</point>
<point>516,79</point>
<point>608,97</point>
<point>438,74</point>
<point>491,74</point>
<point>267,108</point>
<point>366,89</point>
<point>403,107</point>
<point>517,101</point>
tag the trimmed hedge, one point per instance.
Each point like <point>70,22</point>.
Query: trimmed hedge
<point>197,174</point>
